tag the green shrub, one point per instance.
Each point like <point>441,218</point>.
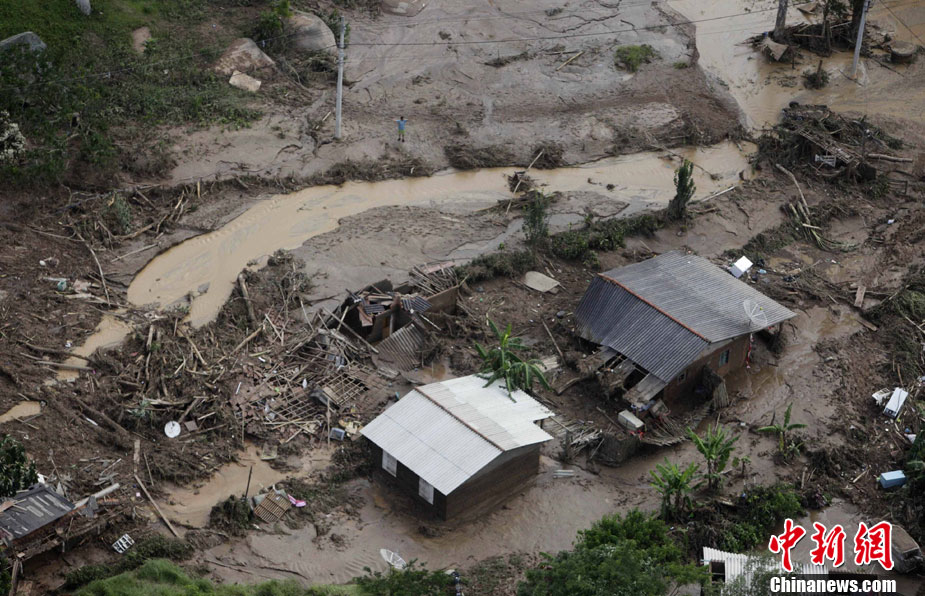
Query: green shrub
<point>606,235</point>
<point>414,580</point>
<point>498,264</point>
<point>16,471</point>
<point>145,550</point>
<point>632,57</point>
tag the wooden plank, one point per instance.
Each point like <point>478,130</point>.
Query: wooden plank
<point>156,508</point>
<point>859,296</point>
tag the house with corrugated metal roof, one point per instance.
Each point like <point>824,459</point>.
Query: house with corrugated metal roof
<point>672,324</point>
<point>458,446</point>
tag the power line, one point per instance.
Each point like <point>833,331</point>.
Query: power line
<point>111,72</point>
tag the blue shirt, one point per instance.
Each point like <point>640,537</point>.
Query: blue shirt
<point>401,124</point>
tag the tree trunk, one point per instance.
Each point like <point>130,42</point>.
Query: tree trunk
<point>781,24</point>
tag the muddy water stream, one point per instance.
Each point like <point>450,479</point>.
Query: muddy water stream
<point>762,88</point>
<point>210,263</point>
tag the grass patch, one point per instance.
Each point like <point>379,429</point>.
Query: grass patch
<point>84,102</point>
<point>153,547</point>
<point>373,170</point>
<point>468,157</point>
<point>163,578</point>
<point>630,58</point>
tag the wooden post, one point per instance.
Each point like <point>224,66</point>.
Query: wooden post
<point>14,582</point>
<point>156,508</point>
<point>781,23</point>
<point>248,489</point>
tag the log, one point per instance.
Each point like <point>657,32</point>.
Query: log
<point>247,300</point>
<point>885,157</point>
<point>101,416</point>
<point>156,508</point>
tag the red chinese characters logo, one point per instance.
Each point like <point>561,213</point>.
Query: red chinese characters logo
<point>871,544</point>
<point>829,546</point>
<point>874,544</point>
<point>783,543</point>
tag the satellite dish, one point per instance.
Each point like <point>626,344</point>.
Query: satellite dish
<point>392,559</point>
<point>172,429</point>
<point>757,318</point>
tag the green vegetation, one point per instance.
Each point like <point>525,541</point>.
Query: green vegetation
<point>632,57</point>
<point>16,471</point>
<point>716,448</point>
<point>498,264</point>
<point>675,486</point>
<point>758,511</point>
<point>502,362</point>
<point>271,25</point>
<point>681,65</point>
<point>783,430</point>
<point>631,556</point>
<point>414,580</point>
<point>609,234</point>
<point>232,516</point>
<point>153,547</point>
<point>684,185</point>
<point>89,104</point>
<point>163,578</point>
<point>536,219</point>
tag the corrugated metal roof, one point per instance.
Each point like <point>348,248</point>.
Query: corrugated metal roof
<point>698,294</point>
<point>663,312</point>
<point>34,508</point>
<point>737,564</point>
<point>405,348</point>
<point>611,316</point>
<point>446,432</point>
<point>644,390</point>
<point>415,303</point>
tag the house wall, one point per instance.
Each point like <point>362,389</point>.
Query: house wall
<point>738,350</point>
<point>504,476</point>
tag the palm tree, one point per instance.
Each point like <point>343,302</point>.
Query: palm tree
<point>502,362</point>
<point>716,447</point>
<point>782,429</point>
<point>675,486</point>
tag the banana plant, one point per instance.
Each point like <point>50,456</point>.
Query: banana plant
<point>502,362</point>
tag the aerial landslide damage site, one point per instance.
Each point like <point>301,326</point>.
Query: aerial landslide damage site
<point>634,257</point>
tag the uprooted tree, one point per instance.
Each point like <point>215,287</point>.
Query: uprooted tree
<point>16,471</point>
<point>684,191</point>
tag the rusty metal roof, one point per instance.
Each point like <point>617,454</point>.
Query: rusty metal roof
<point>32,509</point>
<point>661,313</point>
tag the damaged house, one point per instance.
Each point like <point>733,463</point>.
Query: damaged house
<point>458,446</point>
<point>672,326</point>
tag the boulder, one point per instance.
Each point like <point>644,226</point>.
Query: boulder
<point>243,81</point>
<point>242,55</point>
<point>902,51</point>
<point>405,8</point>
<point>311,34</point>
<point>28,39</point>
<point>84,6</point>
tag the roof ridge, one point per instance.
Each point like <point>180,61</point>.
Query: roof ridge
<point>458,419</point>
<point>640,298</point>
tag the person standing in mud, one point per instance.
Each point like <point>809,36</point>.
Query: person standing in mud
<point>401,128</point>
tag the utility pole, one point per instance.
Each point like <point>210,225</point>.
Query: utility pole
<point>340,78</point>
<point>780,25</point>
<point>857,44</point>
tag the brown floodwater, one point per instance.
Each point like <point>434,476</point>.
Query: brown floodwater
<point>762,88</point>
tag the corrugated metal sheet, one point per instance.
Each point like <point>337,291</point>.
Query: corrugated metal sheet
<point>644,390</point>
<point>611,316</point>
<point>446,432</point>
<point>34,508</point>
<point>405,348</point>
<point>697,293</point>
<point>737,565</point>
<point>415,304</point>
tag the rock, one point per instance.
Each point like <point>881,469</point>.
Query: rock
<point>243,81</point>
<point>84,6</point>
<point>29,39</point>
<point>311,34</point>
<point>405,8</point>
<point>242,55</point>
<point>140,37</point>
